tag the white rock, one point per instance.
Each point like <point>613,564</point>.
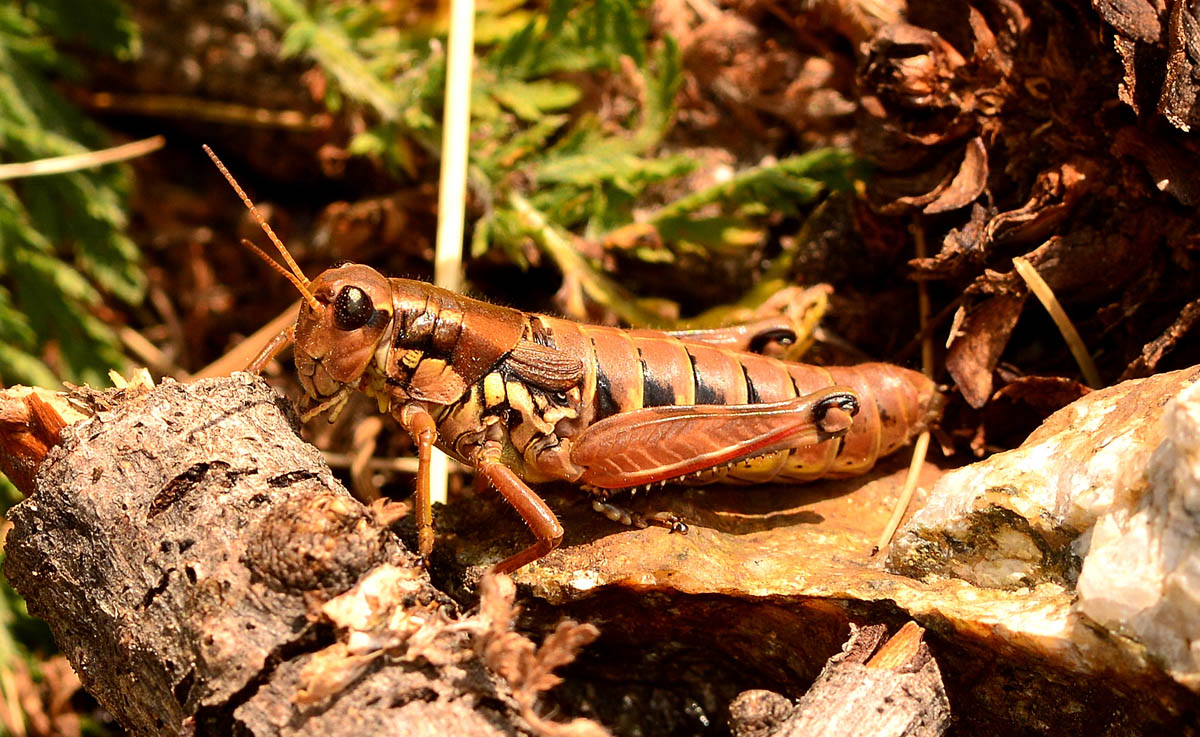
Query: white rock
<point>1104,497</point>
<point>1141,576</point>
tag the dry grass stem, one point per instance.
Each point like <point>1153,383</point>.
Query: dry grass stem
<point>77,162</point>
<point>1045,295</point>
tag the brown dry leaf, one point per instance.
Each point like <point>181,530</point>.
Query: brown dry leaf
<point>927,110</point>
<point>1090,262</point>
<point>1045,394</point>
<point>368,228</point>
<point>45,705</point>
<point>1159,56</point>
<point>386,512</point>
<point>980,339</point>
<point>1171,160</point>
<point>905,70</point>
<point>1082,265</point>
<point>330,672</point>
<point>962,251</point>
<point>1053,197</point>
<point>967,184</point>
<point>951,177</point>
<point>375,618</point>
<point>1137,19</point>
<point>496,596</point>
<point>1154,351</point>
<point>737,73</point>
<point>60,684</point>
<point>529,669</point>
<point>672,18</point>
<point>1020,406</point>
<point>1181,88</point>
<point>511,655</point>
<point>559,649</point>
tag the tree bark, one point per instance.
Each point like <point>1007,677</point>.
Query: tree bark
<point>865,691</point>
<point>181,544</point>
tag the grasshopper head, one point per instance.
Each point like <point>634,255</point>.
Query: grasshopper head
<point>337,333</point>
<point>345,314</point>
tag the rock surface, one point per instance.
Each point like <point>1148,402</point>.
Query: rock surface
<point>989,566</point>
<point>1141,576</point>
<point>1102,500</point>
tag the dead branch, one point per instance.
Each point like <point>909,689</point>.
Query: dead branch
<point>205,573</point>
<point>893,690</point>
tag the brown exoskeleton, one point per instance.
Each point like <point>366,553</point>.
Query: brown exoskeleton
<point>527,398</point>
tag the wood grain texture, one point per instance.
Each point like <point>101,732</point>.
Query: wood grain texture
<point>872,688</point>
<point>180,545</point>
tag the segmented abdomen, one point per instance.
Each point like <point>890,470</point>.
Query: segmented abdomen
<point>625,371</point>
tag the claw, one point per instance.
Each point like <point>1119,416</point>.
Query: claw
<point>670,521</point>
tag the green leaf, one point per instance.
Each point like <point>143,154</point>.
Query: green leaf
<point>518,50</point>
<point>20,367</point>
<point>556,16</point>
<point>527,143</point>
<point>782,186</point>
<point>297,39</point>
<point>626,30</point>
<point>61,238</point>
<point>508,233</point>
<point>333,48</point>
<point>530,100</point>
<point>712,233</point>
<point>112,262</point>
<point>481,237</point>
<point>492,28</point>
<point>367,143</point>
<point>661,88</point>
<point>104,25</point>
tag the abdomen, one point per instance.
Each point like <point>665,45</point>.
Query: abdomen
<point>624,372</point>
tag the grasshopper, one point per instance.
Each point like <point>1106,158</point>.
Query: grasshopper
<point>527,398</point>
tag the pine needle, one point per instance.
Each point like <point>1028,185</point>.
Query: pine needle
<point>199,109</point>
<point>85,160</point>
<point>921,447</point>
<point>1045,295</point>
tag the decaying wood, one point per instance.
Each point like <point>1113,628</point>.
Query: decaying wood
<point>205,574</point>
<point>893,690</point>
<point>30,422</point>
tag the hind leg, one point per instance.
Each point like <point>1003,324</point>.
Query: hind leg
<point>617,513</point>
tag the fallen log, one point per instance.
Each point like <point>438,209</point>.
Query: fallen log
<point>205,573</point>
<point>871,689</point>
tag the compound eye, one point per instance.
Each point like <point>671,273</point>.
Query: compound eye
<point>352,309</point>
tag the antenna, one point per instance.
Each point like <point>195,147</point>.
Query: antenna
<point>296,277</point>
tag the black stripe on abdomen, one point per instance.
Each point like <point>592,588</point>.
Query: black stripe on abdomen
<point>655,393</point>
<point>705,393</point>
<point>751,393</point>
<point>606,406</point>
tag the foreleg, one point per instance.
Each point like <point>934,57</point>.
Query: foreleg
<point>421,426</point>
<point>533,509</point>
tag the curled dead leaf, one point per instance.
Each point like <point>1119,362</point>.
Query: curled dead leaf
<point>976,346</point>
<point>967,184</point>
